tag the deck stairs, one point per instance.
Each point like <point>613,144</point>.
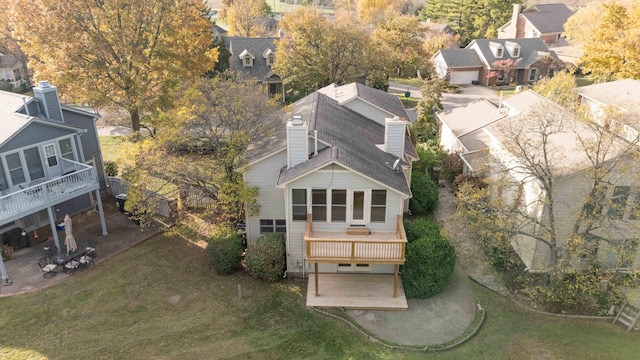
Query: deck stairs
<point>628,316</point>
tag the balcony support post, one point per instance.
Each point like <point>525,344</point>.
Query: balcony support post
<point>101,213</point>
<point>315,274</point>
<point>54,230</point>
<point>395,280</point>
<point>5,276</point>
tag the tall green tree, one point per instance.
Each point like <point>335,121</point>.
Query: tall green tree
<point>399,40</point>
<point>426,126</point>
<point>127,53</point>
<point>609,35</point>
<point>472,19</point>
<point>315,52</point>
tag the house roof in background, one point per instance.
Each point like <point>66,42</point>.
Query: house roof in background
<point>623,93</point>
<point>256,47</point>
<point>461,58</point>
<point>9,62</point>
<point>548,18</point>
<point>531,50</point>
<point>465,122</point>
<point>377,98</point>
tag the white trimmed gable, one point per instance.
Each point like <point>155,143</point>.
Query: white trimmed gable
<point>247,58</point>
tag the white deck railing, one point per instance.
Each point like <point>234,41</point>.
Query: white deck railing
<point>79,179</point>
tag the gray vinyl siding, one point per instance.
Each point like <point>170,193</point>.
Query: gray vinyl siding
<point>34,134</point>
<point>369,111</point>
<point>53,105</point>
<point>395,134</point>
<point>89,140</point>
<point>271,199</point>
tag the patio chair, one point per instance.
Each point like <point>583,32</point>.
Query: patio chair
<point>85,260</point>
<point>71,265</point>
<point>48,268</point>
<point>91,249</point>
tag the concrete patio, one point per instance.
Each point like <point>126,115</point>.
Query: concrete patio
<point>23,267</point>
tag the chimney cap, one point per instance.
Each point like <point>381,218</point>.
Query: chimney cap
<point>297,120</point>
<point>44,84</point>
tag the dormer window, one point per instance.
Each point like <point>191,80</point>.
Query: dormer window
<point>269,57</point>
<point>513,48</point>
<point>247,58</point>
<point>496,49</point>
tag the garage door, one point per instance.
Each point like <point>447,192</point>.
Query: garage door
<point>463,77</point>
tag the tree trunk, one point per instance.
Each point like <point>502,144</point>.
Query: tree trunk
<point>135,118</point>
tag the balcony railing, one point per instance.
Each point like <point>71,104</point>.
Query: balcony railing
<point>79,179</point>
<point>337,247</point>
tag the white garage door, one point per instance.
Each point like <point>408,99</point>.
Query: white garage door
<point>463,77</point>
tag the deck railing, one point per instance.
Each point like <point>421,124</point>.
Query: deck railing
<point>383,249</point>
<point>80,179</point>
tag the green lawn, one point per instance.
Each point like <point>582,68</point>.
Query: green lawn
<point>160,300</point>
<point>411,82</point>
<point>112,147</point>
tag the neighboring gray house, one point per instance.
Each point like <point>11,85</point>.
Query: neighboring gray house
<point>475,130</point>
<point>503,61</point>
<point>336,182</point>
<point>50,161</point>
<point>254,59</point>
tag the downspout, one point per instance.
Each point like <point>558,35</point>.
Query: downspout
<point>80,148</point>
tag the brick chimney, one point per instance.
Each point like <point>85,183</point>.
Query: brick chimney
<point>297,141</point>
<point>47,96</point>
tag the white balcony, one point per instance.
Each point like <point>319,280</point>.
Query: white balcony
<point>78,179</point>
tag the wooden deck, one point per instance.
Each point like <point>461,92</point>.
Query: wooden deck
<point>355,291</point>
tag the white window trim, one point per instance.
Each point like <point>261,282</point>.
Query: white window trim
<point>533,71</point>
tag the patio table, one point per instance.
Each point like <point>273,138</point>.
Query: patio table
<point>63,259</point>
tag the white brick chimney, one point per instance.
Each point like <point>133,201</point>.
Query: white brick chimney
<point>297,141</point>
<point>394,136</point>
<point>47,94</point>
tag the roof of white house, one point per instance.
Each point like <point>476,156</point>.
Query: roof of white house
<point>564,142</point>
<point>623,93</point>
<point>465,121</point>
<point>345,93</point>
<point>351,139</point>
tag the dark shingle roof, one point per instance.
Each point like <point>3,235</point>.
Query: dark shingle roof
<point>461,58</point>
<point>382,99</point>
<point>256,47</point>
<point>548,18</point>
<point>352,138</point>
<point>531,50</point>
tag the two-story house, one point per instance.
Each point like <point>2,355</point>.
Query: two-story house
<point>494,62</point>
<point>50,162</point>
<point>335,180</point>
<point>487,150</point>
<point>254,58</point>
<point>12,71</point>
<point>544,21</point>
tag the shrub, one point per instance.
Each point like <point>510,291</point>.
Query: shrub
<point>419,228</point>
<point>452,166</point>
<point>430,154</point>
<point>425,194</point>
<point>476,182</point>
<point>428,267</point>
<point>266,258</point>
<point>224,251</point>
<point>111,168</point>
